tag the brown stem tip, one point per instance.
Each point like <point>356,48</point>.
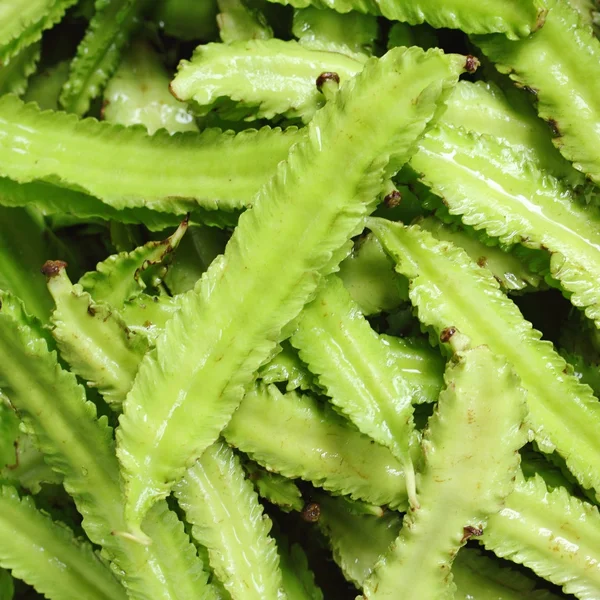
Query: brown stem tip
<point>52,268</point>
<point>311,512</point>
<point>323,78</point>
<point>393,199</point>
<point>447,334</point>
<point>471,63</point>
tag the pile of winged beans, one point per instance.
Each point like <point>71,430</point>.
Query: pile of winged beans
<point>299,300</point>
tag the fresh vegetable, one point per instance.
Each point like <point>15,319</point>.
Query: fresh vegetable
<point>318,303</point>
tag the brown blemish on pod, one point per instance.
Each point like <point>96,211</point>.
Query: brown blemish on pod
<point>17,457</point>
<point>470,531</point>
<point>554,127</point>
<point>105,104</point>
<point>540,20</point>
<point>172,92</point>
<point>52,268</point>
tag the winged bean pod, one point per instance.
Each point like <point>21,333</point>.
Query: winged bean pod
<point>351,33</point>
<point>449,290</point>
<point>187,389</point>
<point>166,173</point>
<point>512,200</point>
<point>251,79</point>
<point>573,536</point>
<point>561,64</point>
<point>138,93</point>
<point>227,518</point>
<point>513,18</point>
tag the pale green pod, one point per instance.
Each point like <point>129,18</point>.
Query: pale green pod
<point>93,338</point>
<point>28,470</point>
<point>22,23</point>
<point>21,463</point>
<point>298,579</point>
<point>51,199</point>
<point>47,555</point>
<point>227,518</point>
<point>239,22</point>
<point>20,263</point>
<point>71,206</point>
<point>138,93</point>
<point>510,198</point>
<point>45,85</point>
<point>286,367</point>
<point>479,577</point>
<point>483,107</point>
<point>357,540</point>
<point>198,248</point>
<point>420,366</point>
<point>321,447</point>
<point>184,574</point>
<point>470,462</point>
<point>121,277</point>
<point>80,447</point>
<point>356,371</point>
<point>515,18</point>
<point>554,534</point>
<point>449,290</point>
<point>352,33</point>
<point>561,64</point>
<point>590,13</point>
<point>368,274</point>
<point>187,389</point>
<point>259,79</point>
<point>15,72</point>
<point>510,272</point>
<point>169,173</point>
<point>275,488</point>
<point>99,53</point>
